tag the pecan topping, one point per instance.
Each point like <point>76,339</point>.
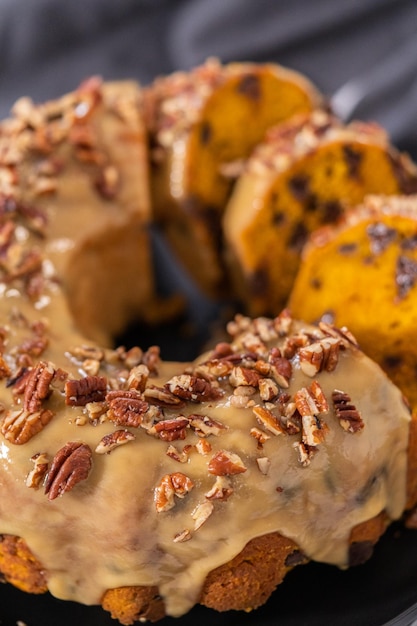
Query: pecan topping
<point>201,514</point>
<point>161,396</point>
<point>21,425</point>
<point>37,386</point>
<point>260,437</point>
<point>70,465</point>
<point>179,456</point>
<point>268,390</point>
<point>138,377</point>
<point>203,447</point>
<point>204,425</point>
<point>184,535</point>
<point>280,368</point>
<point>221,490</point>
<point>126,408</point>
<point>114,440</point>
<point>313,429</point>
<point>38,473</point>
<point>79,392</point>
<point>225,463</point>
<point>189,387</point>
<point>4,368</point>
<point>171,429</point>
<point>263,464</point>
<point>244,376</point>
<point>171,485</point>
<point>320,355</point>
<point>349,417</point>
<point>268,420</point>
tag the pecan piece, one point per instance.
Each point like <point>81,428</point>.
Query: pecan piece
<point>268,420</point>
<point>21,425</point>
<point>280,368</point>
<point>171,429</point>
<point>171,485</point>
<point>348,415</point>
<point>126,408</point>
<point>201,514</point>
<point>38,473</point>
<point>320,355</point>
<point>114,440</point>
<point>203,425</point>
<point>221,490</point>
<point>79,392</point>
<point>225,463</point>
<point>193,388</point>
<point>243,376</point>
<point>70,465</point>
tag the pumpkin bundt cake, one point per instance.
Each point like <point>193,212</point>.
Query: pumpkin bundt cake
<point>282,445</point>
<point>304,175</point>
<point>203,124</point>
<point>363,273</point>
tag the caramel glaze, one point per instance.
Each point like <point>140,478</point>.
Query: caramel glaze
<point>310,478</point>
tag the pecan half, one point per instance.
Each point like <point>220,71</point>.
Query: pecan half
<point>225,463</point>
<point>171,429</point>
<point>114,440</point>
<point>70,465</point>
<point>126,408</point>
<point>37,387</point>
<point>79,392</point>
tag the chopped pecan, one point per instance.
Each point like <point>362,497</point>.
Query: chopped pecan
<point>171,485</point>
<point>37,386</point>
<point>221,490</point>
<point>126,408</point>
<point>203,447</point>
<point>260,436</point>
<point>313,429</point>
<point>19,426</point>
<point>193,388</point>
<point>151,358</point>
<point>343,334</point>
<point>114,440</point>
<point>34,346</point>
<point>319,397</point>
<point>242,376</point>
<point>138,377</point>
<point>79,392</point>
<point>225,463</point>
<point>293,343</point>
<point>201,514</point>
<point>204,425</point>
<point>162,397</point>
<point>179,456</point>
<point>70,465</point>
<point>305,452</point>
<point>268,420</point>
<point>264,464</point>
<point>320,355</point>
<point>38,473</point>
<point>280,368</point>
<point>348,415</point>
<point>268,390</point>
<point>171,429</point>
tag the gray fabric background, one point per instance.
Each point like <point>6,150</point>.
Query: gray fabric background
<point>362,53</point>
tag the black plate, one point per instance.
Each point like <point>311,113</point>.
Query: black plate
<point>372,594</point>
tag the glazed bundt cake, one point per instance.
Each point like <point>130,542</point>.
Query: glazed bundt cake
<point>285,444</point>
<point>150,486</point>
<point>304,175</point>
<point>204,123</point>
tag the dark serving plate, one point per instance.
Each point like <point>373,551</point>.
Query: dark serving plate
<point>382,592</point>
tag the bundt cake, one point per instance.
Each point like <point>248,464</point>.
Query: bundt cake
<point>363,273</point>
<point>306,173</point>
<point>157,484</point>
<point>203,124</point>
<point>148,486</point>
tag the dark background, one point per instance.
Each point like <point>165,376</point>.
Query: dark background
<point>362,53</point>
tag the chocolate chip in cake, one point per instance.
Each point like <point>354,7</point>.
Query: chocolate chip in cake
<point>250,86</point>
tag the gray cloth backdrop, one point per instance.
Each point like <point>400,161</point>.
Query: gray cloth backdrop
<point>361,53</point>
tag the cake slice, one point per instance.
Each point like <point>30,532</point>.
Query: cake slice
<point>75,170</point>
<point>204,123</point>
<point>304,175</point>
<point>363,274</point>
